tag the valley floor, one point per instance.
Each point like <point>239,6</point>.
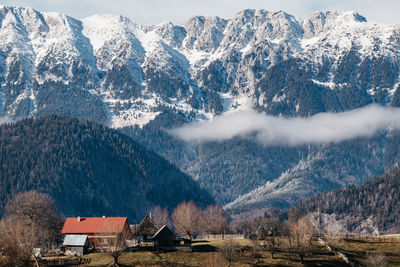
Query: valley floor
<point>357,249</point>
<point>319,257</point>
<point>360,249</point>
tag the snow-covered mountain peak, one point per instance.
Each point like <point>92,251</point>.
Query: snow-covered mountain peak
<point>171,34</point>
<point>199,60</point>
<point>204,33</point>
<point>249,15</point>
<point>320,22</point>
<point>351,16</point>
<point>100,29</point>
<point>21,22</point>
<point>348,31</point>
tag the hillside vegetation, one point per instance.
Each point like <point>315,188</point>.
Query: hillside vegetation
<point>88,169</point>
<point>378,199</point>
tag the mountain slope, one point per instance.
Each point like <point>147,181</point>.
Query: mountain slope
<point>143,79</point>
<point>88,169</point>
<point>378,199</point>
<point>125,72</point>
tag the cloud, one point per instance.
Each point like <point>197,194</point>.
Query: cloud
<point>269,130</point>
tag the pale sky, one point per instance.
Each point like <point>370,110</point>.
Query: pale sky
<point>178,11</point>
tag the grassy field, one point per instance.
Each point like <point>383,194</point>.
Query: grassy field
<point>319,257</point>
<point>357,249</point>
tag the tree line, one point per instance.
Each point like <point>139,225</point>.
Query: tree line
<point>378,198</point>
<point>189,220</point>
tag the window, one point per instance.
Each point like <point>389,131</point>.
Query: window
<point>104,241</point>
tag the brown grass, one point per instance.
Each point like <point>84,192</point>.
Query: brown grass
<point>320,257</point>
<point>356,249</point>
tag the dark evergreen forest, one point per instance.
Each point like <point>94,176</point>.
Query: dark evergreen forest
<point>379,198</point>
<point>89,169</point>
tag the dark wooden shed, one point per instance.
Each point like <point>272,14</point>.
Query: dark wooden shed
<point>165,237</point>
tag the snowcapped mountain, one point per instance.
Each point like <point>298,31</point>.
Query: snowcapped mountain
<point>132,69</point>
<point>143,79</point>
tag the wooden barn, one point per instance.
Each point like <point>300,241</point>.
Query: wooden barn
<point>166,239</point>
<point>145,230</point>
<point>148,237</point>
<point>102,232</point>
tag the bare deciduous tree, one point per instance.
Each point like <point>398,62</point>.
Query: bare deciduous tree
<point>17,241</point>
<point>302,231</point>
<point>271,243</point>
<point>38,211</point>
<point>376,259</point>
<point>187,219</point>
<point>257,250</point>
<point>30,221</point>
<point>214,220</point>
<point>272,228</point>
<point>118,246</point>
<point>285,231</point>
<point>159,216</point>
<point>241,226</point>
<point>230,251</point>
<point>294,214</point>
<point>30,206</point>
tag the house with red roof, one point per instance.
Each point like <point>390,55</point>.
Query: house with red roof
<point>103,232</point>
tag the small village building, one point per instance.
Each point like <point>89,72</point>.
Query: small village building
<point>148,237</point>
<point>102,232</point>
<point>144,231</point>
<point>165,237</point>
<point>261,233</point>
<point>76,244</point>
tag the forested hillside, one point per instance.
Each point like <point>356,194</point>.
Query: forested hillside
<point>378,199</point>
<point>88,169</point>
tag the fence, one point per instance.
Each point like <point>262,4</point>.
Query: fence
<point>60,262</point>
<point>379,238</point>
<point>235,236</point>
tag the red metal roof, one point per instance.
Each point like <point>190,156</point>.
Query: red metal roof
<point>92,225</point>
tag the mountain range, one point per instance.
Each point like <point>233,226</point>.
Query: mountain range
<point>144,79</point>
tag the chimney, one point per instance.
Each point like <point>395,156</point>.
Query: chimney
<point>79,218</point>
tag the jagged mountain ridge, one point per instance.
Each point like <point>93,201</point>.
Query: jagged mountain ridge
<point>112,70</point>
<point>124,65</point>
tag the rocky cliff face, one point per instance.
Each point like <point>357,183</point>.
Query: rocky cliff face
<point>143,79</point>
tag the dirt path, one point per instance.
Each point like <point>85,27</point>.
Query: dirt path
<point>338,253</point>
